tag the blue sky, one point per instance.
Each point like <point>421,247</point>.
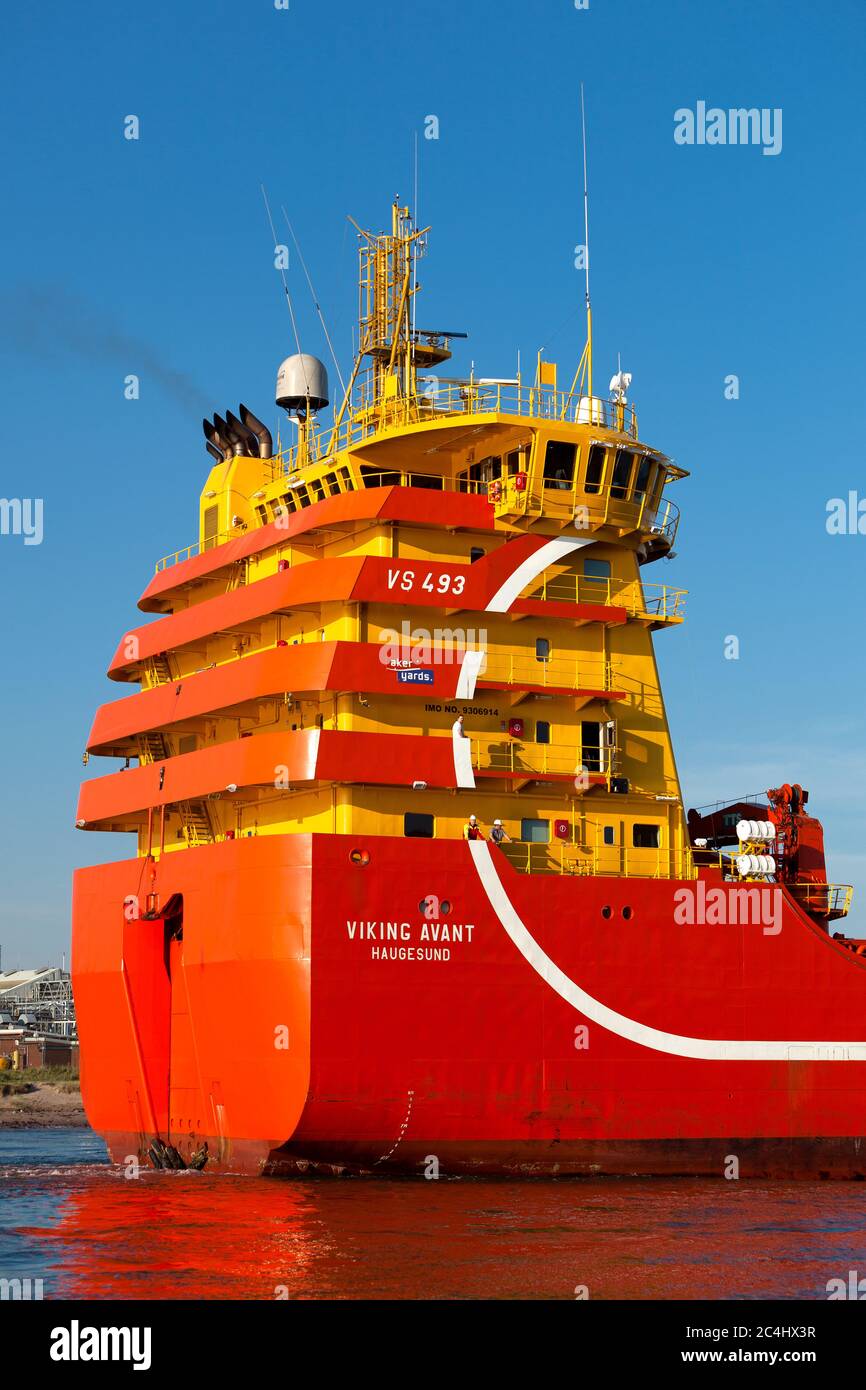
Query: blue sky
<point>153,257</point>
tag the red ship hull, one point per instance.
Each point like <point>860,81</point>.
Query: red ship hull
<point>433,1010</point>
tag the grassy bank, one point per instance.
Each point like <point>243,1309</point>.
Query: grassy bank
<point>63,1078</point>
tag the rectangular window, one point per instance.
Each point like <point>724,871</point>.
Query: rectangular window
<point>489,469</point>
<point>644,469</point>
<point>646,836</point>
<point>418,825</point>
<point>346,479</point>
<point>609,835</point>
<point>542,731</point>
<point>621,473</point>
<point>596,569</point>
<point>542,649</point>
<point>535,832</point>
<point>426,480</point>
<point>559,464</point>
<point>594,469</point>
<point>372,477</point>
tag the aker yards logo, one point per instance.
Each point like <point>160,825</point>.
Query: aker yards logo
<point>414,675</point>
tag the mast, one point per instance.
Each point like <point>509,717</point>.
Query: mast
<point>586,245</point>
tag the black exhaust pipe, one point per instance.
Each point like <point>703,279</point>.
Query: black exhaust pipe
<point>239,434</point>
<point>261,432</point>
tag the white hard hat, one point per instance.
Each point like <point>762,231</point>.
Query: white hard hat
<point>497,822</point>
<point>472,818</point>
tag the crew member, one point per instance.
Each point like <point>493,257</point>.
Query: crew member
<point>498,835</point>
<point>472,830</point>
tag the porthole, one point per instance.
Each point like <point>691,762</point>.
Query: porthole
<point>607,912</point>
<point>627,913</point>
<point>360,857</point>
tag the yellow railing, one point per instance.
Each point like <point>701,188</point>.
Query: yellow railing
<point>514,756</point>
<point>644,600</point>
<point>639,511</point>
<point>564,857</point>
<point>566,673</point>
<point>186,552</point>
<point>824,899</point>
<point>440,397</point>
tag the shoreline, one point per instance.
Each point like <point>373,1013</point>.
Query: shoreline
<point>47,1106</point>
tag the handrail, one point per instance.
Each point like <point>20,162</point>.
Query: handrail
<point>649,600</point>
<point>822,898</point>
<point>566,857</point>
<point>503,754</point>
<point>578,673</point>
<point>450,397</point>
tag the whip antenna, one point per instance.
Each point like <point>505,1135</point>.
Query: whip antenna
<point>586,249</point>
<point>286,289</point>
<point>315,300</point>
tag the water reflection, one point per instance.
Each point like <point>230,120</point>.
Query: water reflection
<point>94,1234</point>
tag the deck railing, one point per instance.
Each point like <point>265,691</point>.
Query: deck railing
<point>563,673</point>
<point>514,755</point>
<point>564,857</point>
<point>644,600</point>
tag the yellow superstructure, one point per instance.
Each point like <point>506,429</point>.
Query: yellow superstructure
<point>592,751</point>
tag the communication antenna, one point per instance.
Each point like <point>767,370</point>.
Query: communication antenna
<point>318,307</point>
<point>417,214</point>
<point>283,277</point>
<point>586,244</point>
<point>584,366</point>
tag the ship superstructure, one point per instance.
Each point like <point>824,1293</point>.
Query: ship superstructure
<point>429,610</point>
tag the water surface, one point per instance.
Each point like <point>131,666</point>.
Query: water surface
<point>76,1222</point>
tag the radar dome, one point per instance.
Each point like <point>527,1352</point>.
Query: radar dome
<point>302,383</point>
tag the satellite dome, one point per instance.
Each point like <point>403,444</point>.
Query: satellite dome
<point>302,383</point>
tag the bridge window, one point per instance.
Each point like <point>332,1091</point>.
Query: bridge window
<point>594,469</point>
<point>418,825</point>
<point>542,731</point>
<point>559,464</point>
<point>621,476</point>
<point>646,836</point>
<point>644,469</point>
<point>426,480</point>
<point>535,832</point>
<point>596,569</point>
<point>373,477</point>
